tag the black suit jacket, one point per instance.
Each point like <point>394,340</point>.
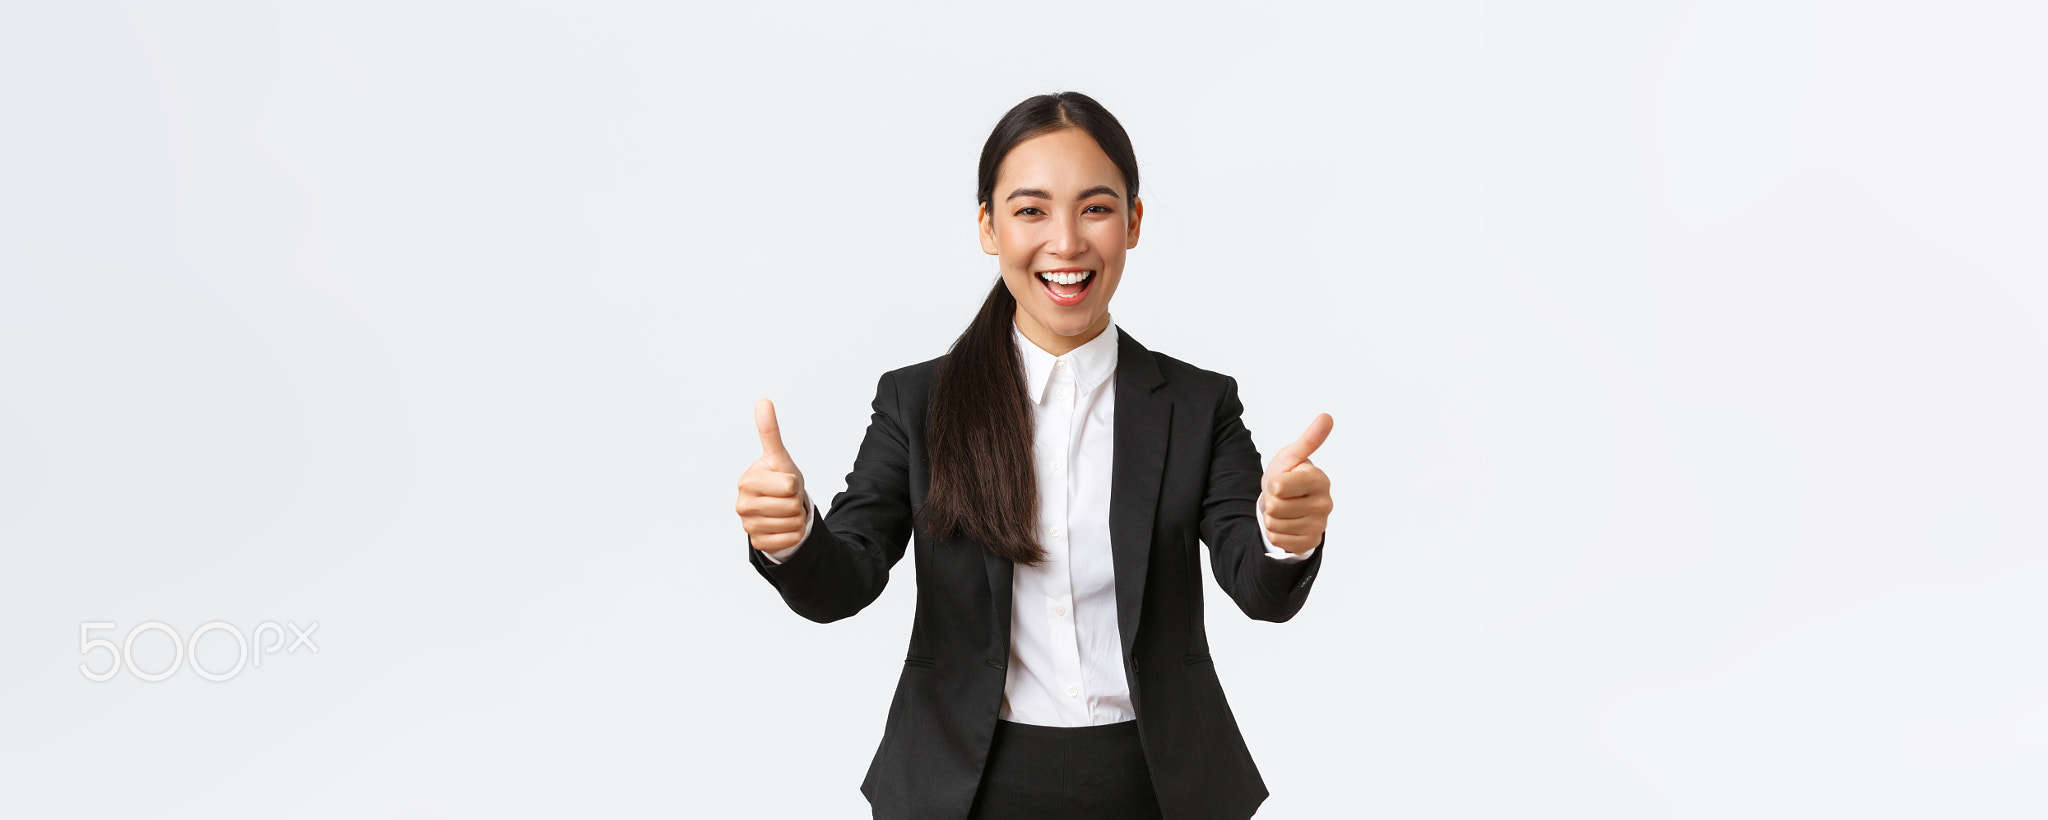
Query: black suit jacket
<point>1183,468</point>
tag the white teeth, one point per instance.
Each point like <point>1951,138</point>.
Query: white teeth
<point>1066,278</point>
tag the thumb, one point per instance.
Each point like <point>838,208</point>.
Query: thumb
<point>772,450</point>
<point>1293,455</point>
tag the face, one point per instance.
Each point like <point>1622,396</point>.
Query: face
<point>1059,208</point>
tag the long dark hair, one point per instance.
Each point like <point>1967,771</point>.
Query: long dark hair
<point>983,484</point>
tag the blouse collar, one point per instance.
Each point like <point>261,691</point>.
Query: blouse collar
<point>1092,363</point>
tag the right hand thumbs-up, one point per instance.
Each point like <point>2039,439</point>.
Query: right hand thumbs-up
<point>772,505</point>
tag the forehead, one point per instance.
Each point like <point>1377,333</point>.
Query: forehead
<point>1062,163</point>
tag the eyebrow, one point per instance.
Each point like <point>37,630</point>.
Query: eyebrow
<point>1041,194</point>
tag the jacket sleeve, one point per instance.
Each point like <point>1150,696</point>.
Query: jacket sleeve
<point>842,564</point>
<point>1265,589</point>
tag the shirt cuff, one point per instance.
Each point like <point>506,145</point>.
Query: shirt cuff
<point>783,554</point>
<point>1276,553</point>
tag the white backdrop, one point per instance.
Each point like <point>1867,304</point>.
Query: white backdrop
<point>1688,365</point>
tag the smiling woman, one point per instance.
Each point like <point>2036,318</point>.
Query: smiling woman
<point>1059,478</point>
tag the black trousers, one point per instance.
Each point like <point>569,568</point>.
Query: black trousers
<point>1072,773</point>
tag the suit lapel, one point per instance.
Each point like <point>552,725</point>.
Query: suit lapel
<point>1143,418</point>
<point>1138,458</point>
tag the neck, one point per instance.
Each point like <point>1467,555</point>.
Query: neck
<point>1054,343</point>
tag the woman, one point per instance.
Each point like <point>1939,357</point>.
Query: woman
<point>1057,475</point>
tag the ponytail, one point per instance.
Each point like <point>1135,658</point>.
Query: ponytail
<point>983,484</point>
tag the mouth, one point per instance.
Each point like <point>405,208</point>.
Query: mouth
<point>1067,288</point>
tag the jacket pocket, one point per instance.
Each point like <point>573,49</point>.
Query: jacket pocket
<point>920,661</point>
<point>1199,657</point>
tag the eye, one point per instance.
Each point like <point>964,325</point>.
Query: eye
<point>1105,208</point>
<point>1020,211</point>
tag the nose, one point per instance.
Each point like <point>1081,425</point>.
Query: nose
<point>1066,239</point>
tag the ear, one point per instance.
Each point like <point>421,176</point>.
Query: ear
<point>1137,215</point>
<point>988,230</point>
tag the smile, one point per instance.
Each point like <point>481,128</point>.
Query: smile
<point>1067,289</point>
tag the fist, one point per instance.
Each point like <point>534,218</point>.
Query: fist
<point>1295,494</point>
<point>772,503</point>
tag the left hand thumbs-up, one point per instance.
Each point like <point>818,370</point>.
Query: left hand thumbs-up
<point>1295,494</point>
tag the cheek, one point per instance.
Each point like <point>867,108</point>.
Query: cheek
<point>1108,239</point>
<point>1016,241</point>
